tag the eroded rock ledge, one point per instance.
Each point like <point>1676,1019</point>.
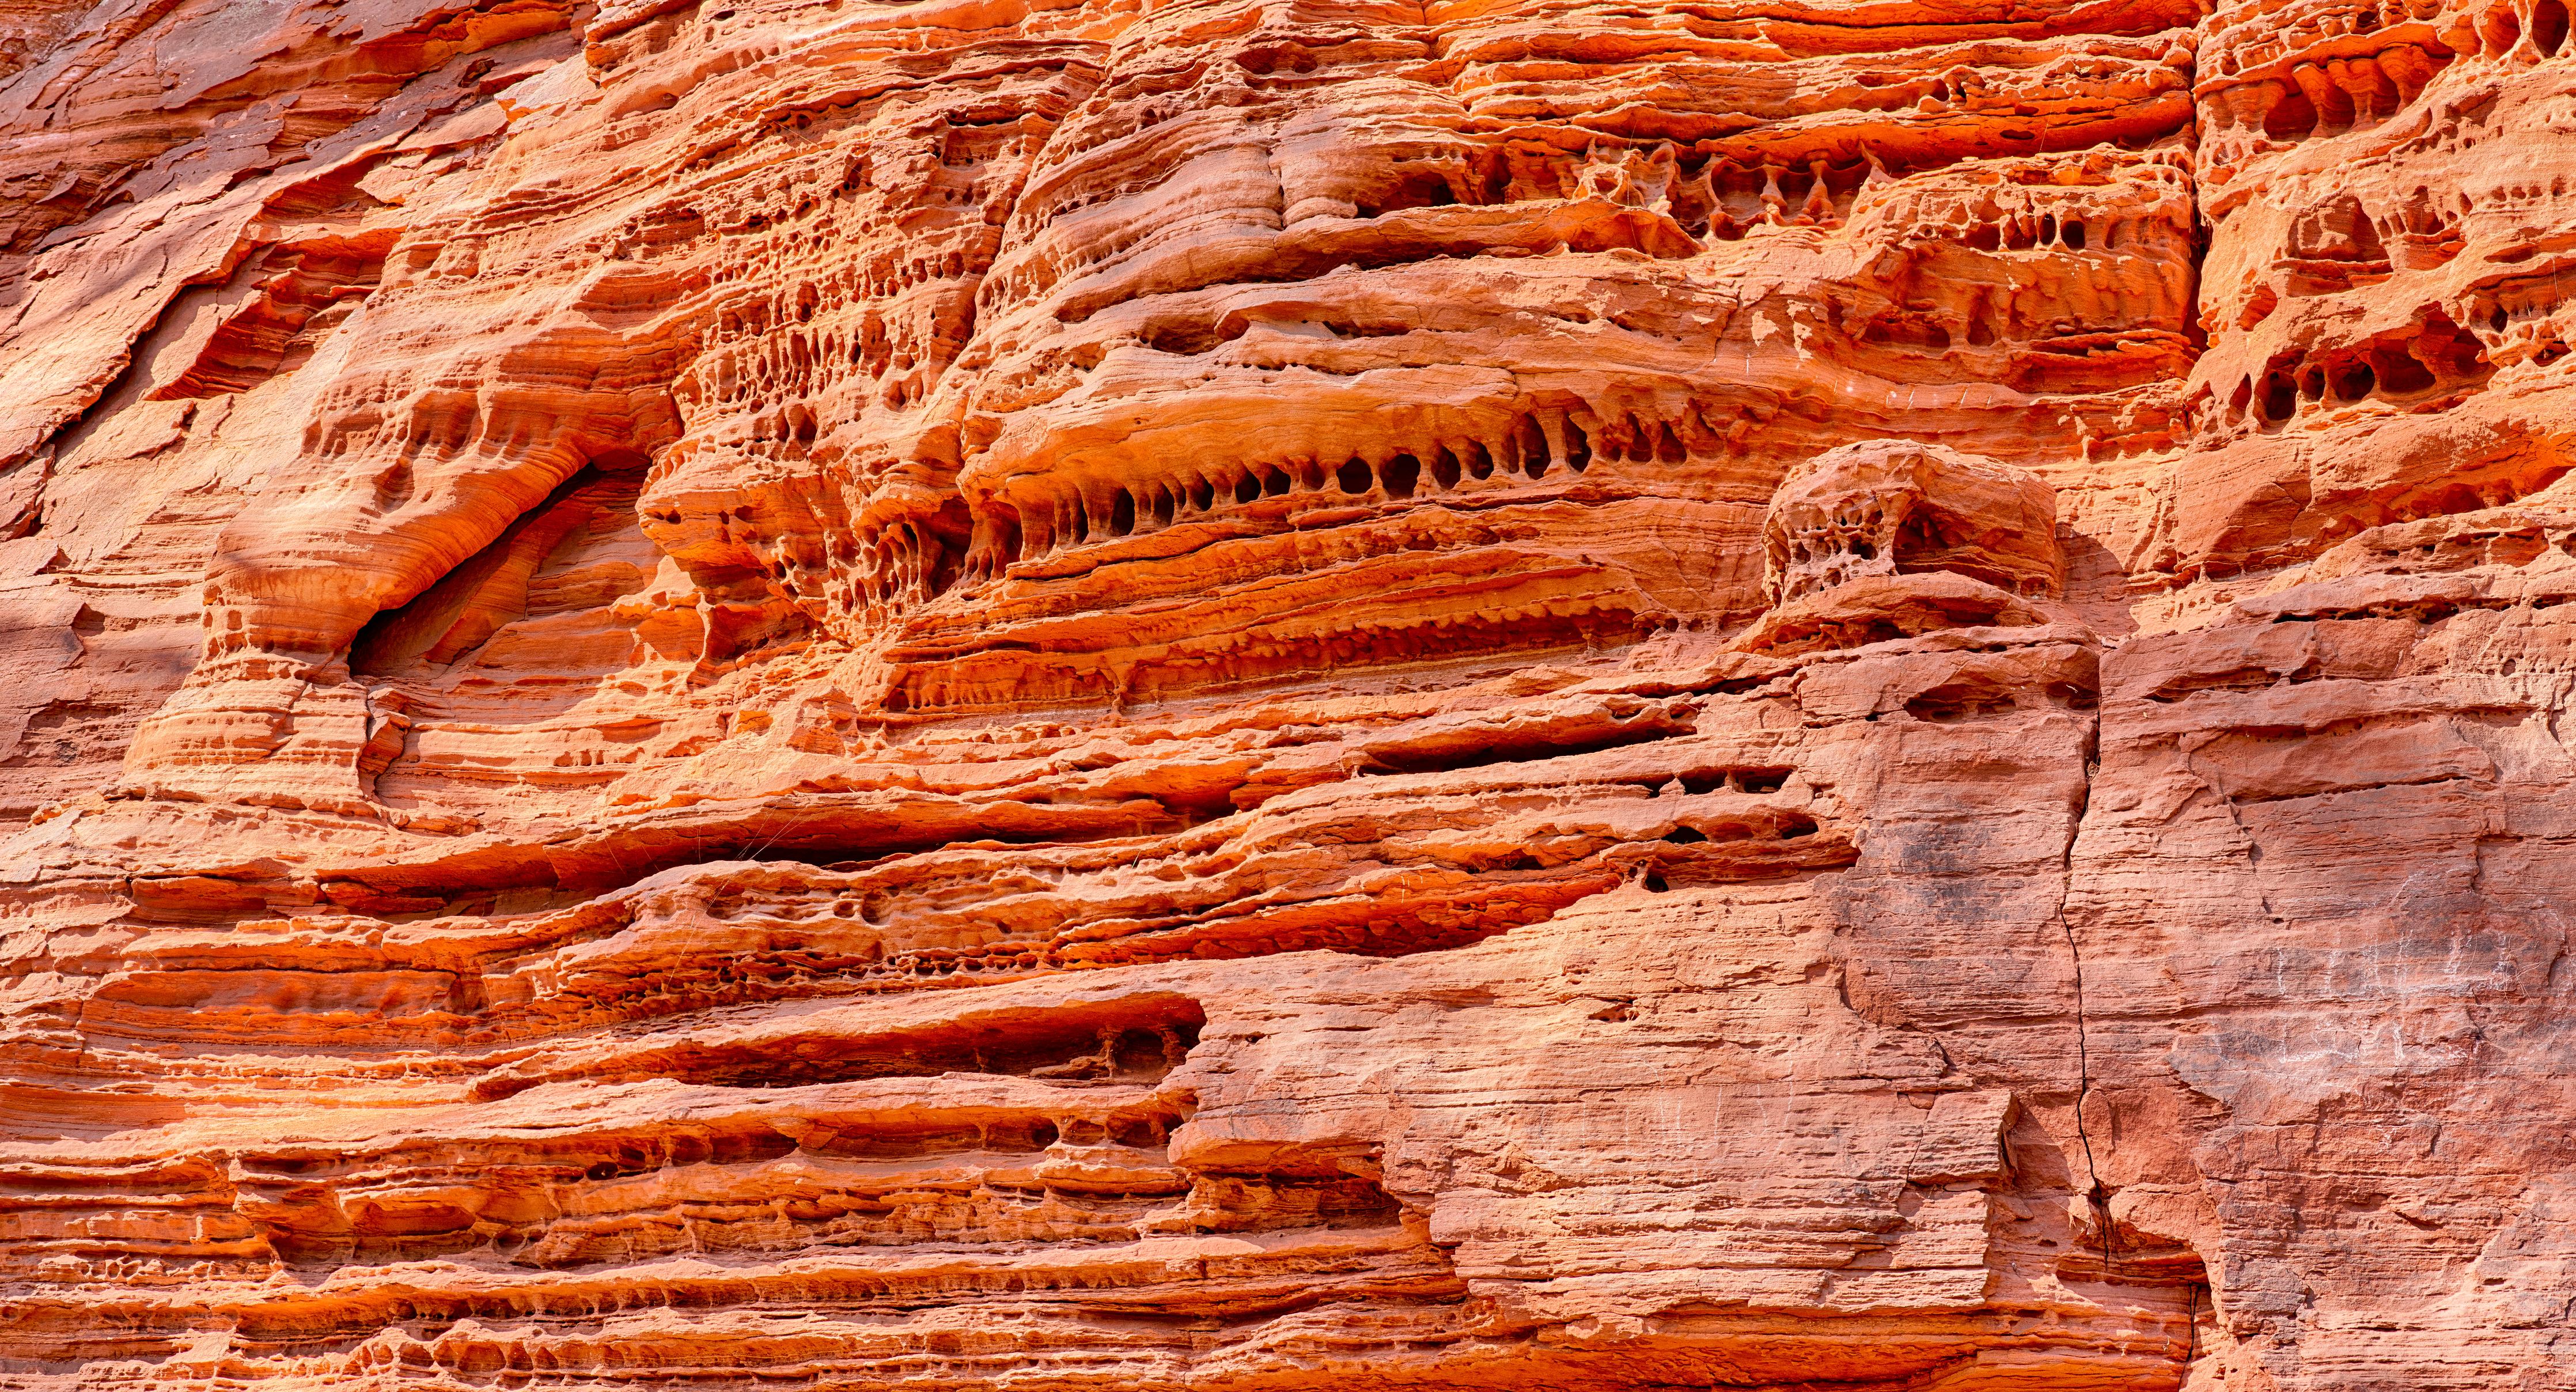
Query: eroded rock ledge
<point>1251,696</point>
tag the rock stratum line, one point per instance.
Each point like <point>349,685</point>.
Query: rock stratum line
<point>1280,694</point>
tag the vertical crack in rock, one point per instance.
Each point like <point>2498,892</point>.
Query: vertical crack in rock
<point>959,695</point>
<point>2094,1193</point>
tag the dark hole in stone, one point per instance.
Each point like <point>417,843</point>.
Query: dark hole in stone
<point>2280,396</point>
<point>2502,31</point>
<point>2450,351</point>
<point>1639,445</point>
<point>1141,1132</point>
<point>1184,339</point>
<point>2292,118</point>
<point>1401,474</point>
<point>1421,189</point>
<point>1019,1136</point>
<point>1532,442</point>
<point>2398,371</point>
<point>737,1148</point>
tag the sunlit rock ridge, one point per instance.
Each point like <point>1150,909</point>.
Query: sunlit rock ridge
<point>1281,696</point>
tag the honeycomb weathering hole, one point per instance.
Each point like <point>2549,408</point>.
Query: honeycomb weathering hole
<point>1434,696</point>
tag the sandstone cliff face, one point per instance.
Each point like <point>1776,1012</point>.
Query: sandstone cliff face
<point>1080,694</point>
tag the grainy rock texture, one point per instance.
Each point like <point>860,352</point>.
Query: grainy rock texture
<point>1287,694</point>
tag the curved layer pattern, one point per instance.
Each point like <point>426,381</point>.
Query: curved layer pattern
<point>1233,695</point>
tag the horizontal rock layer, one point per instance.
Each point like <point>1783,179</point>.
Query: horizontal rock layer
<point>1230,696</point>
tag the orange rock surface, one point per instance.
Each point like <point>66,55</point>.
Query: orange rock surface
<point>1196,694</point>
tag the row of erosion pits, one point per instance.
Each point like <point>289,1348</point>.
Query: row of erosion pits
<point>2503,35</point>
<point>2400,368</point>
<point>1535,447</point>
<point>2340,93</point>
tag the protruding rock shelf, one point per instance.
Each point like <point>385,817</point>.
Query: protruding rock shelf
<point>1208,696</point>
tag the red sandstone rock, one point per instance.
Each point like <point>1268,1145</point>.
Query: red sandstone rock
<point>1223,696</point>
<point>1888,508</point>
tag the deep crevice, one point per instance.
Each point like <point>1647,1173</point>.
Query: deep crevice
<point>1132,1040</point>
